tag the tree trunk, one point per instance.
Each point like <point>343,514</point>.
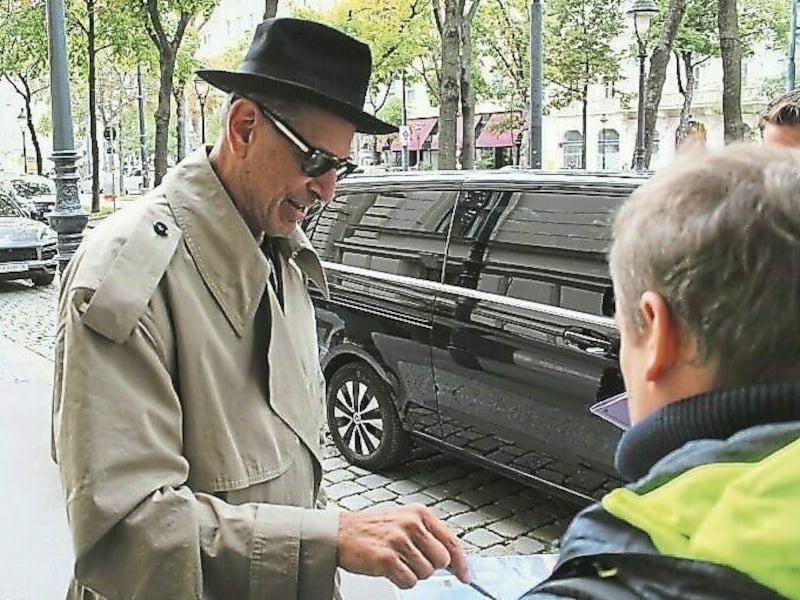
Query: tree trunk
<point>449,86</point>
<point>30,126</point>
<point>37,148</point>
<point>270,8</point>
<point>180,121</point>
<point>467,90</point>
<point>467,100</point>
<point>688,95</point>
<point>658,72</point>
<point>92,55</point>
<point>166,69</point>
<point>731,52</point>
<point>584,123</point>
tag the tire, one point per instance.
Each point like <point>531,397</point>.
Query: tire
<point>363,419</point>
<point>46,279</point>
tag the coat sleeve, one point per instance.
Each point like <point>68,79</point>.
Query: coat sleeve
<point>138,530</point>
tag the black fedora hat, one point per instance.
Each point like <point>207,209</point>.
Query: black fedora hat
<point>308,61</point>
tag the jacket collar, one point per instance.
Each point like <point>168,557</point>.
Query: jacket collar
<point>222,246</point>
<point>706,420</point>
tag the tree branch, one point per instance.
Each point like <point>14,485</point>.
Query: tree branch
<point>473,7</point>
<point>180,30</point>
<point>678,74</point>
<point>160,38</point>
<point>437,16</point>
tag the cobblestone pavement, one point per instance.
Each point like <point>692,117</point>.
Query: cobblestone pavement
<point>492,515</point>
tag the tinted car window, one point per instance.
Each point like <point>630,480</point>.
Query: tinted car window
<point>28,188</point>
<point>397,232</point>
<point>8,205</point>
<point>546,246</point>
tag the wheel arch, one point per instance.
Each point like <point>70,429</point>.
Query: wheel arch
<point>347,354</point>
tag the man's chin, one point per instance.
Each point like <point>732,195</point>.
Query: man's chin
<point>284,231</point>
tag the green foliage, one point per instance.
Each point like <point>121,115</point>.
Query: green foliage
<point>231,58</point>
<point>23,54</point>
<point>392,111</point>
<point>760,22</point>
<point>396,32</point>
<point>501,38</point>
<point>577,38</point>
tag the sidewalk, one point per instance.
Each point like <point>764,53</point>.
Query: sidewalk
<point>36,552</point>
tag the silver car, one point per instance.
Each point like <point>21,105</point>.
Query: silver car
<point>27,247</point>
<point>37,195</point>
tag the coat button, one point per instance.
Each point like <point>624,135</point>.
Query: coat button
<point>160,228</point>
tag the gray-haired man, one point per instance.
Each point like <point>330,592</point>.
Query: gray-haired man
<point>706,269</point>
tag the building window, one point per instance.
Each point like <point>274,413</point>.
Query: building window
<point>656,143</point>
<point>697,72</point>
<point>572,149</point>
<point>608,149</point>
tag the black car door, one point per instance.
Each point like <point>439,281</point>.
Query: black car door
<point>383,247</point>
<point>521,344</point>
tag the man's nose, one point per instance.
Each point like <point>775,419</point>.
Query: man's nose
<point>324,186</point>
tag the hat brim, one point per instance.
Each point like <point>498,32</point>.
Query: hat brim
<point>237,82</point>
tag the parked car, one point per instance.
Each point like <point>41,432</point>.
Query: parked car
<point>473,311</point>
<point>27,247</point>
<point>36,194</point>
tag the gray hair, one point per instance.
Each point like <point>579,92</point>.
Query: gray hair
<point>285,107</point>
<point>717,235</point>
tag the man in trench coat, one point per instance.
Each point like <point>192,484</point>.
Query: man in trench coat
<point>188,394</point>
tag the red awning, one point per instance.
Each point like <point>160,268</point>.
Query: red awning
<point>420,131</point>
<point>499,131</point>
<point>459,133</point>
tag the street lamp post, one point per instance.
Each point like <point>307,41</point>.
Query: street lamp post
<point>68,218</point>
<point>603,140</point>
<point>537,87</point>
<point>201,88</point>
<point>23,123</point>
<point>642,13</point>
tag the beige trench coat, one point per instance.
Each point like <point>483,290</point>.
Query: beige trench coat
<point>187,409</point>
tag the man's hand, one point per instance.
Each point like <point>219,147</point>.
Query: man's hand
<point>404,544</point>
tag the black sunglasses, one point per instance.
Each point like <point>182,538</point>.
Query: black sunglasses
<point>315,161</point>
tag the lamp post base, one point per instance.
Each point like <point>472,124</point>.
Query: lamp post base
<point>68,218</point>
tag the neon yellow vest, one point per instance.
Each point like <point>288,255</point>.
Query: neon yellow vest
<point>744,515</point>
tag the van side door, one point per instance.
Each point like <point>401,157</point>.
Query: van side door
<point>521,345</point>
<point>383,248</point>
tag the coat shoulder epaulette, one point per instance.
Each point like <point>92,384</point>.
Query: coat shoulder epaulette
<point>121,265</point>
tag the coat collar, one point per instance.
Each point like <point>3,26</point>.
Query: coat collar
<point>222,246</point>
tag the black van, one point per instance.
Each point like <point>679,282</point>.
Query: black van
<point>473,311</point>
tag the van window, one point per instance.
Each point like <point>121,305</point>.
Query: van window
<point>397,232</point>
<point>546,246</point>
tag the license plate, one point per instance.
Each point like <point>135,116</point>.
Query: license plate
<point>13,267</point>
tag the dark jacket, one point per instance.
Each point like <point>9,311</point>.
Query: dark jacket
<point>671,534</point>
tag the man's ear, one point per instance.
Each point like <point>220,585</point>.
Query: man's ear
<point>663,336</point>
<point>241,122</point>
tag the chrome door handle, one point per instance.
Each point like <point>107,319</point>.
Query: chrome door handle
<point>590,342</point>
